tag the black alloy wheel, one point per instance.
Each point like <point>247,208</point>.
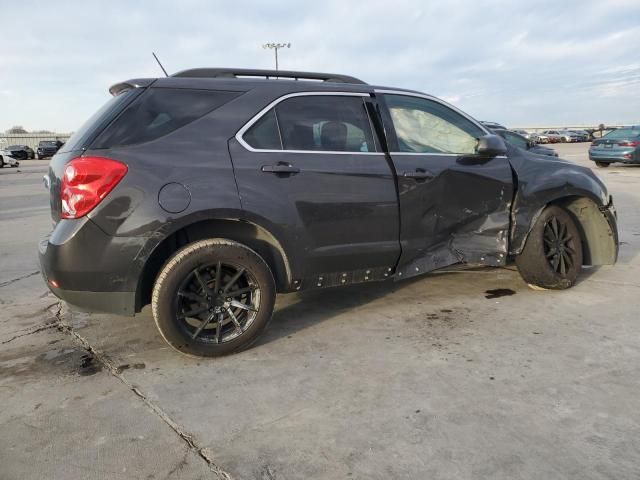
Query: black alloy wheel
<point>559,246</point>
<point>217,303</point>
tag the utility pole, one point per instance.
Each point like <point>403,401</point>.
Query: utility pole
<point>275,47</point>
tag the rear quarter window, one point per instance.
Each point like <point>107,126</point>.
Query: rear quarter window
<point>158,112</point>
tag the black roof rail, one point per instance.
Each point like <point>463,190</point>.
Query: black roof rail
<point>244,72</point>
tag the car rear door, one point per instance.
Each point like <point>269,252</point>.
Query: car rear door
<point>309,168</point>
<point>454,203</point>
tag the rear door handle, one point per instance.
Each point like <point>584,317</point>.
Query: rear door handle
<point>282,168</point>
<point>419,174</point>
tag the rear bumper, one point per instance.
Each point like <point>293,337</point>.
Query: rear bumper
<point>629,156</point>
<point>90,269</point>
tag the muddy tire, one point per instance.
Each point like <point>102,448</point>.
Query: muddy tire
<point>213,297</point>
<point>552,256</point>
<point>602,164</point>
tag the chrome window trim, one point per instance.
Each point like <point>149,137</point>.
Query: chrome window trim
<point>239,135</point>
<point>442,102</point>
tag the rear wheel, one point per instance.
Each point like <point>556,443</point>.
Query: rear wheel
<point>1,163</point>
<point>213,297</point>
<point>602,164</point>
<point>552,256</point>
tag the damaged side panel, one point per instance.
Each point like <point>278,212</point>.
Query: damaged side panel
<point>543,181</point>
<point>462,214</point>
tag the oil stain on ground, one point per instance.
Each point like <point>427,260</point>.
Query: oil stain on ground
<point>499,292</point>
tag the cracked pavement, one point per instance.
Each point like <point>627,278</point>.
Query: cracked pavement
<point>427,378</point>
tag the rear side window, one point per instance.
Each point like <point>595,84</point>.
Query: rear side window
<point>158,112</point>
<point>264,134</point>
<point>99,120</point>
<point>329,123</point>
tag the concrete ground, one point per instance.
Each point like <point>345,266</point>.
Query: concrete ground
<point>427,378</point>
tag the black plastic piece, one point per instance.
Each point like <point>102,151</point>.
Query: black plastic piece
<point>243,72</point>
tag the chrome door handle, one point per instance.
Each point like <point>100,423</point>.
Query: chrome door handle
<point>419,174</point>
<point>280,168</point>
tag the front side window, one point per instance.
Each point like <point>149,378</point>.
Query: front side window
<point>325,123</point>
<point>516,140</point>
<point>425,126</point>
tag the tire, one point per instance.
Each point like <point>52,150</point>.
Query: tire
<point>214,325</point>
<point>38,157</point>
<point>1,163</point>
<point>547,261</point>
<point>602,164</point>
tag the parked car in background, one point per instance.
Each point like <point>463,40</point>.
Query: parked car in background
<point>552,136</point>
<point>6,160</point>
<point>583,135</point>
<point>493,125</point>
<point>293,185</point>
<point>21,152</point>
<point>48,148</point>
<point>622,145</point>
<point>520,141</point>
<point>525,134</point>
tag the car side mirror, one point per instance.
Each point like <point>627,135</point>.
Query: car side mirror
<point>491,145</point>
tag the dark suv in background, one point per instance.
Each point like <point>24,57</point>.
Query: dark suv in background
<point>207,192</point>
<point>48,148</point>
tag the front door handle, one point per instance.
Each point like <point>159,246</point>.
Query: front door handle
<point>280,168</point>
<point>419,174</point>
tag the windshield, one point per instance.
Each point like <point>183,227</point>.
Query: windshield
<point>48,144</point>
<point>624,133</point>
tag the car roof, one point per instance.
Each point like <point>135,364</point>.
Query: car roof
<point>242,80</point>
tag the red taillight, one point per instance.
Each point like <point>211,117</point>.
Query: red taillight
<point>86,181</point>
<point>629,144</point>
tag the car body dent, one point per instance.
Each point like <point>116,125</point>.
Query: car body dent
<point>480,210</point>
<point>541,181</point>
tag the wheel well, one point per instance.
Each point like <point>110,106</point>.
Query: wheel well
<point>249,234</point>
<point>599,242</point>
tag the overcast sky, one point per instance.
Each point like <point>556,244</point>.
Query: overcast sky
<point>524,63</point>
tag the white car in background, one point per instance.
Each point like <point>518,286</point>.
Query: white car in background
<point>7,160</point>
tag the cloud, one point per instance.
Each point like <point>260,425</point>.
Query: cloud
<point>537,62</point>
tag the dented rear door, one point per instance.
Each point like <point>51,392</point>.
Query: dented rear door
<point>454,204</point>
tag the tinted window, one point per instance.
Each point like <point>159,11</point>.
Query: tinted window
<point>158,112</point>
<point>264,133</point>
<point>325,123</point>
<point>425,126</point>
<point>99,119</point>
<point>623,133</point>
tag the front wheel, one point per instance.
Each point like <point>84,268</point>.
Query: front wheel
<point>602,164</point>
<point>552,256</point>
<point>1,163</point>
<point>213,297</point>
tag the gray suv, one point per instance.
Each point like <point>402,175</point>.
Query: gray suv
<point>207,192</point>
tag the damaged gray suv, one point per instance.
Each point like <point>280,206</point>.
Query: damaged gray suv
<point>207,192</point>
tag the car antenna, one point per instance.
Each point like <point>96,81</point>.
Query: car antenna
<point>156,57</point>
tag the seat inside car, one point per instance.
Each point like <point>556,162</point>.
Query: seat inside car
<point>333,136</point>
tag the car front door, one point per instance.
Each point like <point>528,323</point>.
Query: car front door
<point>454,203</point>
<point>310,168</point>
